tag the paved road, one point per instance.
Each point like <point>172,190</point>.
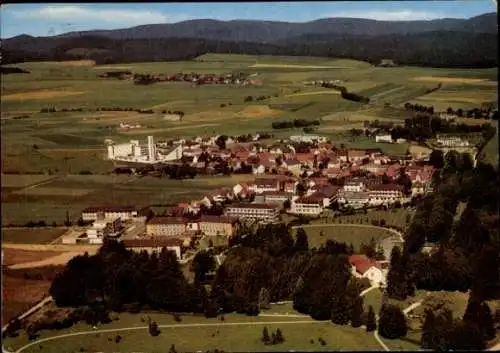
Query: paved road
<point>93,332</point>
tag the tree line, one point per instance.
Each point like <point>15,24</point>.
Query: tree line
<point>465,256</point>
<point>476,113</point>
<point>435,49</point>
<point>296,123</point>
<point>422,127</point>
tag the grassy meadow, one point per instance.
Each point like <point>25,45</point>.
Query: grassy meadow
<point>72,193</point>
<point>237,333</point>
<point>63,143</point>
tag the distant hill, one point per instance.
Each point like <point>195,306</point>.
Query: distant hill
<point>439,43</point>
<point>271,31</point>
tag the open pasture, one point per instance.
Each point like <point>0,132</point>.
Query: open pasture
<point>69,142</point>
<point>31,235</point>
<point>238,333</point>
<point>318,234</point>
<point>70,194</point>
<point>22,181</point>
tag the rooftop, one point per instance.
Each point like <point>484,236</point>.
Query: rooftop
<point>167,220</point>
<point>253,205</point>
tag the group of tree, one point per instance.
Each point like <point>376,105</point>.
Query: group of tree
<point>449,49</point>
<point>422,127</point>
<point>344,93</point>
<point>466,251</point>
<point>441,331</point>
<point>275,338</point>
<point>296,123</point>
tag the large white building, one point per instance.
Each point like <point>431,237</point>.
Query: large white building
<point>134,151</point>
<point>103,228</point>
<point>253,211</point>
<point>308,138</point>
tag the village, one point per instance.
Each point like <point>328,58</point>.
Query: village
<point>305,176</point>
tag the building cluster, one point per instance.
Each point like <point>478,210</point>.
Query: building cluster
<point>300,183</point>
<point>147,153</point>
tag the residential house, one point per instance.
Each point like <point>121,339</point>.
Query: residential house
<point>306,159</point>
<point>355,185</point>
<point>377,169</point>
<point>293,165</point>
<point>364,267</point>
<point>218,225</point>
<point>254,211</point>
<point>266,184</point>
<point>356,155</point>
<point>155,244</point>
<point>166,226</point>
<point>275,197</point>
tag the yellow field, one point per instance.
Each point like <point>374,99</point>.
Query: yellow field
<point>54,191</point>
<point>289,66</point>
<point>455,80</point>
<point>78,63</point>
<point>257,111</point>
<point>48,94</point>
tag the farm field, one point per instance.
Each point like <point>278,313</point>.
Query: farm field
<point>318,234</point>
<point>31,235</point>
<point>72,193</point>
<point>237,333</point>
<point>73,141</point>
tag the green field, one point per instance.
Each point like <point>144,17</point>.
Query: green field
<point>398,217</point>
<point>72,193</point>
<point>31,236</point>
<point>226,336</point>
<point>491,151</point>
<point>63,143</point>
<point>343,233</point>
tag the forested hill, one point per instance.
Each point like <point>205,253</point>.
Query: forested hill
<point>436,49</point>
<point>271,31</point>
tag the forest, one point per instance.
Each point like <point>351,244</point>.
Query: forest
<point>433,49</point>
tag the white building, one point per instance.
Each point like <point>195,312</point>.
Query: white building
<point>265,185</point>
<point>308,138</point>
<point>102,228</point>
<point>307,206</point>
<point>254,211</point>
<point>354,185</point>
<point>146,153</point>
<point>385,194</point>
<point>364,267</point>
<point>109,212</point>
<point>383,138</point>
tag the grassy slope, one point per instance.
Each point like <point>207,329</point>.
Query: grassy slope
<point>227,338</point>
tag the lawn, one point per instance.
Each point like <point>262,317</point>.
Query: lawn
<point>491,151</point>
<point>224,336</point>
<point>343,233</point>
<point>398,217</point>
<point>31,235</point>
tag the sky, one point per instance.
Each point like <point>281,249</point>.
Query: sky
<point>53,19</point>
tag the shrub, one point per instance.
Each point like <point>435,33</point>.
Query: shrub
<point>118,339</point>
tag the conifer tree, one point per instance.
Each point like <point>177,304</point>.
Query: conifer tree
<point>392,322</point>
<point>265,336</point>
<point>357,312</point>
<point>371,321</point>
